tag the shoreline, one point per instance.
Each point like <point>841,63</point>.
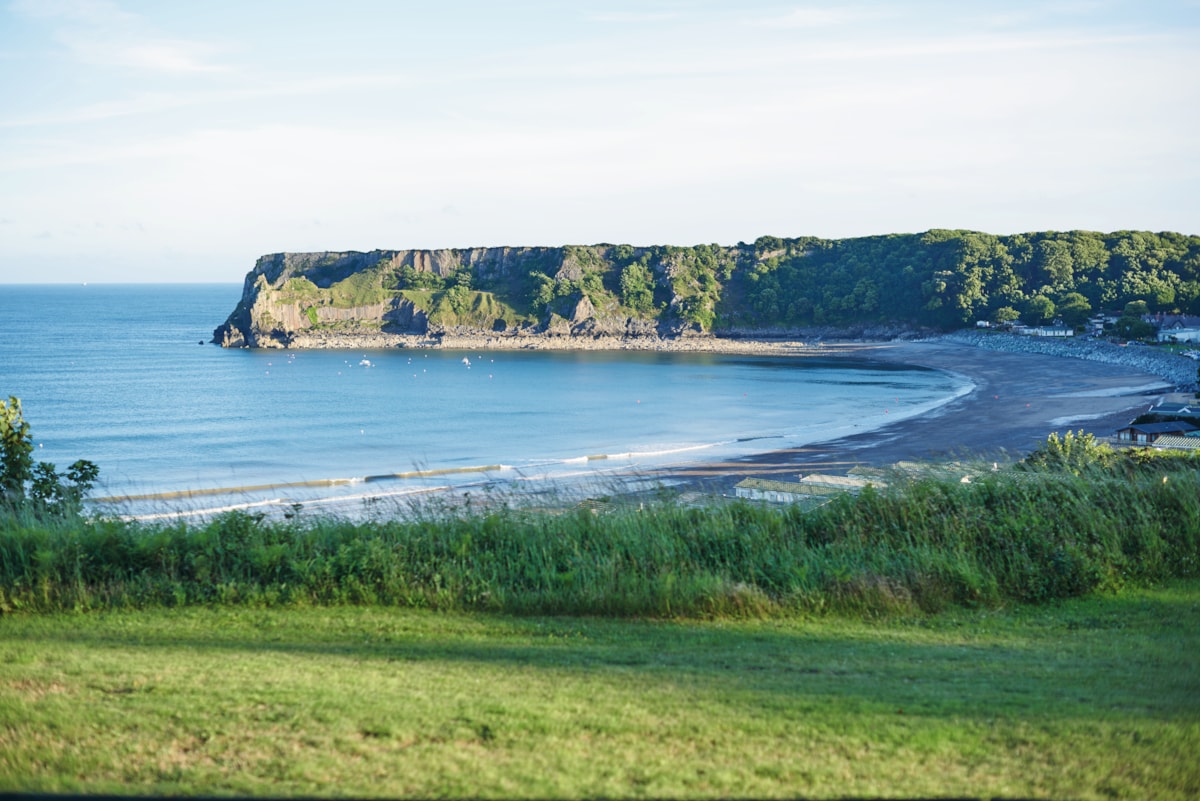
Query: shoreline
<point>1018,399</point>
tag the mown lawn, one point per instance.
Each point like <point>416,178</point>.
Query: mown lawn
<point>1096,698</point>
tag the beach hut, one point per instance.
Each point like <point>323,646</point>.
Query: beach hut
<point>1174,442</point>
<point>847,483</point>
<point>762,489</point>
<point>1148,433</point>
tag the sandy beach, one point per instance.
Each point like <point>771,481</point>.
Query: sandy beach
<point>1018,400</point>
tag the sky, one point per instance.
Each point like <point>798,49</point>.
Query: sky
<point>170,141</point>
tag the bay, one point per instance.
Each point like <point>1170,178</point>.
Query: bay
<point>123,375</point>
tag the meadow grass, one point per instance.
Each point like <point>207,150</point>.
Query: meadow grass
<point>1093,698</point>
<point>1027,634</point>
<point>926,546</point>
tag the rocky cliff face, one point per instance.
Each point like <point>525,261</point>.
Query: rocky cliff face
<point>940,280</point>
<point>389,297</point>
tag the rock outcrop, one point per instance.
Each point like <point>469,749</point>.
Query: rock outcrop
<point>805,288</point>
<point>388,298</point>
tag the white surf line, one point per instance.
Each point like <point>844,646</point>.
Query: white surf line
<point>216,510</point>
<point>1072,420</point>
<point>174,495</point>
<point>1115,392</point>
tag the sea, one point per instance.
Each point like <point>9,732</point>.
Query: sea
<point>125,376</point>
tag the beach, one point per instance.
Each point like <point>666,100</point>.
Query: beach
<point>1020,390</point>
<point>1018,399</point>
<point>1023,390</point>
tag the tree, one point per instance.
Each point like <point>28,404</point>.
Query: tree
<point>637,288</point>
<point>1136,308</point>
<point>1076,453</point>
<point>1074,309</point>
<point>1057,265</point>
<point>461,277</point>
<point>1005,315</point>
<point>47,489</point>
<point>1039,310</point>
<point>16,451</point>
<point>1130,327</point>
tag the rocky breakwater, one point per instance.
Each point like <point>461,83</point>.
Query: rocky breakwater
<point>1179,371</point>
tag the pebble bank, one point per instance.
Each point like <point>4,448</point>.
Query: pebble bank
<point>1180,371</point>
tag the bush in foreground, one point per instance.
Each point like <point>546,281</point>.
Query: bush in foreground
<point>1008,537</point>
<point>36,487</point>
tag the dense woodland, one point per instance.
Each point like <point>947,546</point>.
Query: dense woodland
<point>939,279</point>
<point>942,279</point>
<point>947,279</point>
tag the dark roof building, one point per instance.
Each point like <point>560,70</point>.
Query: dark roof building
<point>1147,433</point>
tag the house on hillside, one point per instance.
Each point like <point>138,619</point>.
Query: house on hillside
<point>1148,433</point>
<point>1179,335</point>
<point>1043,330</point>
<point>1176,327</point>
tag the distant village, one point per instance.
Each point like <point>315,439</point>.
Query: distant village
<point>1165,328</point>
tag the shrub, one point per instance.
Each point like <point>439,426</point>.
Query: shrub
<point>24,482</point>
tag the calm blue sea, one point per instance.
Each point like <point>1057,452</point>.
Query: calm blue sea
<point>117,374</point>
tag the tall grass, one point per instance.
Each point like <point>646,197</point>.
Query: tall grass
<point>930,544</point>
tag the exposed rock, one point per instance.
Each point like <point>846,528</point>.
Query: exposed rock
<point>1178,370</point>
<point>584,310</point>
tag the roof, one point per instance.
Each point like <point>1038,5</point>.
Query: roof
<point>1176,443</point>
<point>766,485</point>
<point>1173,408</point>
<point>841,482</point>
<point>1162,428</point>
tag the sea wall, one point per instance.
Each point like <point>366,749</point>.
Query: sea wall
<point>1178,370</point>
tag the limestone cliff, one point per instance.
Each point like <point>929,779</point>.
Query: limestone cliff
<point>391,297</point>
<point>804,288</point>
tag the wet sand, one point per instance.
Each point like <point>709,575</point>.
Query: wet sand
<point>1018,400</point>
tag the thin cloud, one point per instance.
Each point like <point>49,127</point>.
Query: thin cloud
<point>632,17</point>
<point>969,45</point>
<point>156,102</point>
<point>157,55</point>
<point>821,17</point>
<point>99,32</point>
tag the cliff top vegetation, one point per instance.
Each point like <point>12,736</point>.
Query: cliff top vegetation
<point>939,279</point>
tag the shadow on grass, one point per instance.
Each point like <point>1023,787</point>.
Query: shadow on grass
<point>1132,656</point>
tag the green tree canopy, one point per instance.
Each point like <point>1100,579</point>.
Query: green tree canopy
<point>1074,309</point>
<point>1039,310</point>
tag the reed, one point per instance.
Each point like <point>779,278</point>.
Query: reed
<point>921,546</point>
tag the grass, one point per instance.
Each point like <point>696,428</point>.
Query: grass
<point>1094,698</point>
<point>1033,633</point>
<point>1011,538</point>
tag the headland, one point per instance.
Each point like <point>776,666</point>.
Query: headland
<point>889,298</point>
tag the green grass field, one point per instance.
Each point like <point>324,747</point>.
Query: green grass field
<point>1093,698</point>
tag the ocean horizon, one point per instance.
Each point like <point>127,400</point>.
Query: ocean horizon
<point>124,375</point>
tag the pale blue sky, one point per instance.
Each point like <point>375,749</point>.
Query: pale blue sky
<point>152,140</point>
